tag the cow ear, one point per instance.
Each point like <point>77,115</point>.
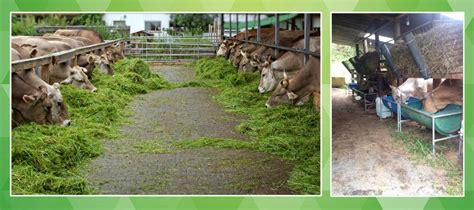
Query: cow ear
<point>29,99</point>
<point>33,52</point>
<point>56,86</point>
<point>90,59</point>
<point>291,95</point>
<point>269,58</point>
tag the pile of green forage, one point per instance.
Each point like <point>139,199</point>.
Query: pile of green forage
<point>46,159</point>
<point>292,132</point>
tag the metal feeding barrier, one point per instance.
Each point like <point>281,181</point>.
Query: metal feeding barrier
<point>171,48</point>
<point>276,43</point>
<point>47,61</point>
<point>368,99</point>
<point>434,120</point>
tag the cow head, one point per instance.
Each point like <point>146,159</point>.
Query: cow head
<point>398,95</point>
<point>282,94</point>
<point>29,51</point>
<point>103,64</point>
<point>32,107</point>
<point>78,78</point>
<point>245,62</point>
<point>268,80</point>
<point>114,54</point>
<point>59,109</point>
<point>25,51</point>
<point>223,48</point>
<point>428,103</point>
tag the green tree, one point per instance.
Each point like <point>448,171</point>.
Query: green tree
<point>88,20</point>
<point>191,23</point>
<point>341,52</point>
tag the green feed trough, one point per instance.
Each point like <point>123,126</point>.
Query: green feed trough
<point>447,120</point>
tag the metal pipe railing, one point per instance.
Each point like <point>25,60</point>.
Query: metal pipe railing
<point>58,57</point>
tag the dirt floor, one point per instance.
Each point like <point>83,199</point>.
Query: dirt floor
<point>366,160</point>
<point>144,161</point>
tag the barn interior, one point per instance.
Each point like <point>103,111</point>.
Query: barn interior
<point>372,143</point>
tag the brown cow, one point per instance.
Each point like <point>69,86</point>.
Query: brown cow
<point>450,91</point>
<point>412,87</point>
<point>89,61</point>
<point>30,104</point>
<point>297,90</point>
<point>288,63</point>
<point>113,53</point>
<point>60,71</point>
<point>95,37</point>
<point>59,112</point>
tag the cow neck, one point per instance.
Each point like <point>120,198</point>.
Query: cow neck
<point>19,113</point>
<point>434,102</point>
<point>300,97</point>
<point>21,78</point>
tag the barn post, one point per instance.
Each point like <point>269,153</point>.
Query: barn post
<point>246,27</point>
<point>293,24</point>
<point>436,82</point>
<point>366,46</point>
<point>258,27</point>
<point>357,50</point>
<point>237,23</point>
<point>306,35</point>
<point>277,34</point>
<point>378,75</point>
<point>397,30</point>
<point>230,25</point>
<point>45,71</point>
<point>222,27</point>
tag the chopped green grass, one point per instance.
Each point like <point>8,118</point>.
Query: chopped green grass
<point>214,142</point>
<point>46,158</point>
<point>152,146</point>
<point>288,131</point>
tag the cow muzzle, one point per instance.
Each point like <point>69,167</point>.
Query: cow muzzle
<point>66,123</point>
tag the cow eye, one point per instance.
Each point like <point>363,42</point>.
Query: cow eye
<point>59,104</point>
<point>263,75</point>
<point>47,108</point>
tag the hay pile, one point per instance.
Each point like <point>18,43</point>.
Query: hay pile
<point>441,47</point>
<point>367,64</point>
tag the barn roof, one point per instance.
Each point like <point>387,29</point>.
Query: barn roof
<point>347,29</point>
<point>263,22</point>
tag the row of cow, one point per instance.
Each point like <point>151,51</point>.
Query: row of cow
<point>38,99</point>
<point>285,73</point>
<point>449,91</point>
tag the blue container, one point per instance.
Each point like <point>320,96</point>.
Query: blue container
<point>392,105</point>
<point>353,86</point>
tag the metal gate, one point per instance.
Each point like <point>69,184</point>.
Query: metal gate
<point>174,49</point>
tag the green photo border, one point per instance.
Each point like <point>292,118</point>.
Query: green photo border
<point>247,202</point>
